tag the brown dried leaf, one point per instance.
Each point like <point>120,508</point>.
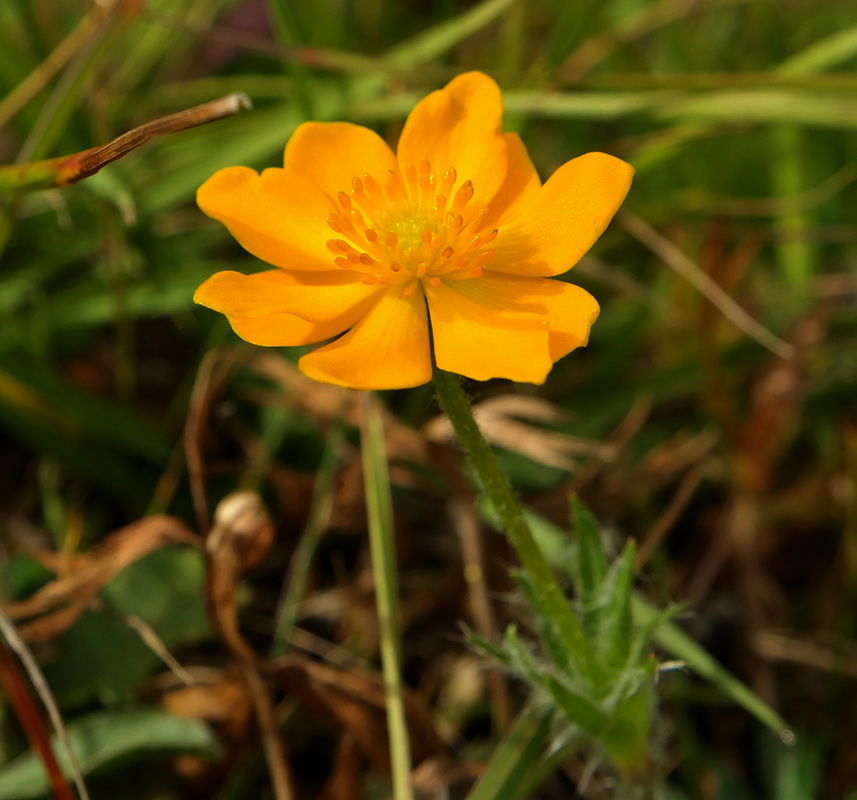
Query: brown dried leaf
<point>226,705</point>
<point>214,372</point>
<point>223,703</point>
<point>327,403</point>
<point>239,539</point>
<point>345,783</point>
<point>357,702</point>
<point>63,600</point>
<point>441,776</point>
<point>503,421</point>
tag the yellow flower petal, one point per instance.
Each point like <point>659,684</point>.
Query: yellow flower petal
<point>571,313</point>
<point>314,296</point>
<point>278,217</point>
<point>331,154</point>
<point>520,182</point>
<point>475,336</point>
<point>284,330</point>
<point>387,349</point>
<point>549,232</point>
<point>459,127</point>
<point>568,309</point>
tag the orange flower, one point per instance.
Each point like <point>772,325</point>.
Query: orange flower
<point>448,245</point>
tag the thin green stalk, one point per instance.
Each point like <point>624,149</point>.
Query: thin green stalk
<point>496,486</point>
<point>795,251</point>
<point>379,506</point>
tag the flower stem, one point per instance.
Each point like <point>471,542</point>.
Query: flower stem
<point>496,486</point>
<point>379,507</point>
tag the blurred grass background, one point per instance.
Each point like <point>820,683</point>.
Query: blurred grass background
<point>712,416</point>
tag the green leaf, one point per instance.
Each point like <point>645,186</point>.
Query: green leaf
<point>513,655</point>
<point>676,642</point>
<point>521,659</point>
<point>627,738</point>
<point>562,653</point>
<point>591,563</point>
<point>793,773</point>
<point>605,594</point>
<point>640,650</point>
<point>164,588</point>
<point>579,709</point>
<point>616,631</point>
<point>100,659</point>
<point>822,55</point>
<point>100,741</point>
<point>516,758</point>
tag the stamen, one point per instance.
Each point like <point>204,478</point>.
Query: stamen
<point>343,225</point>
<point>410,226</point>
<point>411,175</point>
<point>465,267</point>
<point>356,218</point>
<point>454,268</point>
<point>426,180</point>
<point>477,272</point>
<point>463,196</point>
<point>394,185</point>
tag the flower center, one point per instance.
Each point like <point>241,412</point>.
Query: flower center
<point>409,228</point>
